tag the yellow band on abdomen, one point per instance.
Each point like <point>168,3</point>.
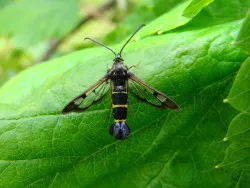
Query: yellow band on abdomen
<point>120,120</point>
<point>119,92</point>
<point>119,105</point>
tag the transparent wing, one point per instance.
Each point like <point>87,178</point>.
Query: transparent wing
<point>150,95</point>
<point>90,96</point>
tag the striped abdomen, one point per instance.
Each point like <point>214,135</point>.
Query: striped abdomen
<point>119,128</point>
<point>119,99</point>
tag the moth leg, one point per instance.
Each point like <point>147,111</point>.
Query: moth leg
<point>130,67</point>
<point>108,68</point>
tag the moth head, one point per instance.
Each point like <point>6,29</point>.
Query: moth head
<point>118,58</point>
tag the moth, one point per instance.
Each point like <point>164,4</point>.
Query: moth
<point>121,81</point>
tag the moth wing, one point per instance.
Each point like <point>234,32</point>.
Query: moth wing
<point>150,95</point>
<point>90,96</point>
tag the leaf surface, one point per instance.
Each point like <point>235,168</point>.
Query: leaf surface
<point>42,147</point>
<point>243,39</point>
<point>237,154</point>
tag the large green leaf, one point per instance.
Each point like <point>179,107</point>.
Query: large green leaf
<point>238,154</point>
<point>33,21</point>
<point>40,147</point>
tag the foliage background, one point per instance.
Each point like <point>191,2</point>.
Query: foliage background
<point>196,51</point>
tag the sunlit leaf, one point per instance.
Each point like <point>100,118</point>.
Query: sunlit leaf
<point>42,147</point>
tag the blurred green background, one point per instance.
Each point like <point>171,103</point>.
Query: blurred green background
<point>53,28</point>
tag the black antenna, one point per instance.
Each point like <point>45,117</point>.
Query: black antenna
<point>100,44</point>
<point>131,37</point>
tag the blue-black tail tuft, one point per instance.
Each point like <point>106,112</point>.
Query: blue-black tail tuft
<point>119,130</point>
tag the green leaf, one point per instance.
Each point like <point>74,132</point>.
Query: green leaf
<point>219,12</point>
<point>243,39</point>
<point>195,7</point>
<point>41,147</point>
<point>32,21</point>
<point>176,17</point>
<point>239,96</point>
<point>238,154</point>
